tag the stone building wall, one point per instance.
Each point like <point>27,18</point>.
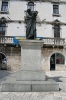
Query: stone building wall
<point>13,58</point>
<point>47,53</point>
<point>13,55</point>
<point>17,13</point>
<point>13,63</point>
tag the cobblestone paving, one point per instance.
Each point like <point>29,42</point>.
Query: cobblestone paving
<point>59,76</point>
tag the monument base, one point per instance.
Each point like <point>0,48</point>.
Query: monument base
<point>30,75</point>
<point>29,86</point>
<point>30,78</point>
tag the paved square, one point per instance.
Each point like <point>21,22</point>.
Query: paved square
<point>58,76</point>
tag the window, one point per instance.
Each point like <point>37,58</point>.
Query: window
<point>57,58</point>
<point>2,29</point>
<point>60,59</point>
<point>55,9</point>
<point>4,6</point>
<point>30,6</point>
<point>57,31</point>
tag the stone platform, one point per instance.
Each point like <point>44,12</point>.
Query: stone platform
<point>30,76</point>
<point>29,86</point>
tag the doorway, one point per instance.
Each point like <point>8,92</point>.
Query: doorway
<point>3,61</point>
<point>52,62</point>
<point>56,58</point>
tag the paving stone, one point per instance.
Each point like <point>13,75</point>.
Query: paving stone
<point>49,97</point>
<point>61,95</point>
<point>2,95</point>
<point>41,97</point>
<point>57,94</point>
<point>10,95</point>
<point>26,96</point>
<point>34,96</point>
<point>57,98</point>
<point>19,94</point>
<point>48,93</point>
<point>18,98</point>
<point>6,99</point>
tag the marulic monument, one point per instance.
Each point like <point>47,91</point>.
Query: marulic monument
<point>30,78</point>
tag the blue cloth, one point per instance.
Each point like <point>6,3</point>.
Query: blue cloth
<point>16,41</point>
<point>41,38</point>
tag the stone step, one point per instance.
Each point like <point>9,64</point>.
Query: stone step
<point>29,86</point>
<point>30,76</point>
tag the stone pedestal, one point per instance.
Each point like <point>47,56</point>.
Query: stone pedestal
<point>31,55</point>
<point>30,78</point>
<point>31,61</point>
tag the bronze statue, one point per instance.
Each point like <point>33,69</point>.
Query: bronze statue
<point>31,24</point>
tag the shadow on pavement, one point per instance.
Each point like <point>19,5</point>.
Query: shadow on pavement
<point>57,79</point>
<point>4,74</point>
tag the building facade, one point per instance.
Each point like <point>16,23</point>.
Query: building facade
<point>50,26</point>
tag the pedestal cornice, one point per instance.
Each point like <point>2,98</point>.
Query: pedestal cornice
<point>31,42</point>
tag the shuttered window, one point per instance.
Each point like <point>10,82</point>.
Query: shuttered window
<point>30,6</point>
<point>4,6</point>
<point>2,29</point>
<point>55,9</point>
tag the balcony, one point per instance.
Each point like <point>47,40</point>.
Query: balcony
<point>6,39</point>
<point>47,41</point>
<point>54,41</point>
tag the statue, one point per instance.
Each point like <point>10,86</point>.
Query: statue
<point>31,24</point>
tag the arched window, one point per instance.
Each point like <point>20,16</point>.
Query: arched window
<point>57,31</point>
<point>56,58</point>
<point>60,59</point>
<point>2,29</point>
<point>30,6</point>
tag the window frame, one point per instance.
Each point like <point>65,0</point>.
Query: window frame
<point>55,9</point>
<point>60,59</point>
<point>5,11</point>
<point>56,14</point>
<point>3,29</point>
<point>57,33</point>
<point>30,5</point>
